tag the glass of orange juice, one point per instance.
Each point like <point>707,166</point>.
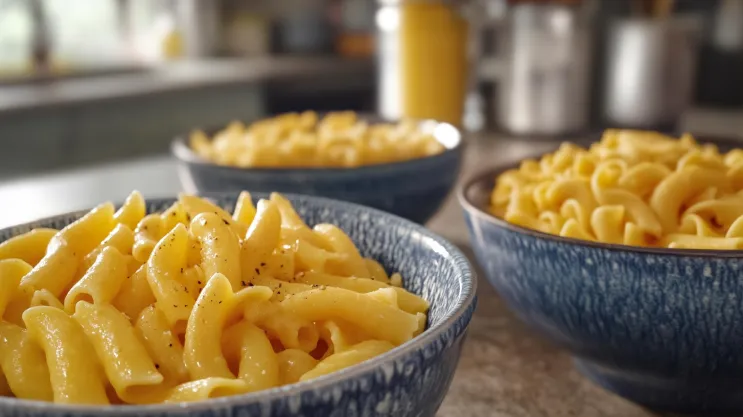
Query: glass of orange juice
<point>424,65</point>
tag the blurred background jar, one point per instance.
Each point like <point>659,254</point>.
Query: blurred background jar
<point>547,65</point>
<point>650,67</point>
<point>424,60</point>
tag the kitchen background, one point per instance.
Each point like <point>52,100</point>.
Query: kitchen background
<point>86,82</point>
<point>93,91</point>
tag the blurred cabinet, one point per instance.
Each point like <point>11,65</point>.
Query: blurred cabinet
<point>97,132</point>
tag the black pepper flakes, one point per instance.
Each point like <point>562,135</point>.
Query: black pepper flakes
<point>181,270</point>
<point>175,306</point>
<point>220,302</point>
<point>157,366</point>
<point>170,345</point>
<point>198,282</point>
<point>243,283</point>
<point>250,284</point>
<point>257,271</point>
<point>225,221</point>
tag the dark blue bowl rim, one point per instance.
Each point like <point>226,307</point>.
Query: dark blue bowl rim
<point>182,151</point>
<point>466,298</point>
<point>485,180</point>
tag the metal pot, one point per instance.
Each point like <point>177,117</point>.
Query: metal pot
<point>650,72</point>
<point>544,87</point>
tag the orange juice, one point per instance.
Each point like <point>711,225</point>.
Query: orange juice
<point>433,57</point>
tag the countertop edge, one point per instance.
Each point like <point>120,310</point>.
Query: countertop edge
<point>177,76</point>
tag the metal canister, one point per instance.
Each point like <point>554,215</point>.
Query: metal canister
<point>546,56</point>
<point>650,72</point>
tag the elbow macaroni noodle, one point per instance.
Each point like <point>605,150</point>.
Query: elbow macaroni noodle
<point>124,307</point>
<point>339,139</point>
<point>632,187</point>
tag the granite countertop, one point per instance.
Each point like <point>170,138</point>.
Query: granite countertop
<point>505,370</point>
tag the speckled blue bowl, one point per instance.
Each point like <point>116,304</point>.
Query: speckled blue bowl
<point>410,380</point>
<point>661,327</point>
<point>413,189</point>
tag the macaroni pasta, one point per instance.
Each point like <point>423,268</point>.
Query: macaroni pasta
<point>634,188</point>
<point>302,140</point>
<point>125,307</point>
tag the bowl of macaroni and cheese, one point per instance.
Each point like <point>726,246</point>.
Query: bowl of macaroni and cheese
<point>628,254</point>
<point>406,168</point>
<point>284,305</point>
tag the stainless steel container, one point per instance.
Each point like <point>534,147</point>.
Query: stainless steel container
<point>546,70</point>
<point>200,21</point>
<point>650,72</point>
<point>389,103</point>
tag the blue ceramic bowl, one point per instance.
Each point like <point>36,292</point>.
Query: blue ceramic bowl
<point>661,327</point>
<point>413,189</point>
<point>410,380</point>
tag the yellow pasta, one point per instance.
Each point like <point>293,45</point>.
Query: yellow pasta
<point>148,232</point>
<point>45,298</point>
<point>351,264</point>
<point>124,307</point>
<point>121,238</point>
<point>125,360</point>
<point>389,323</point>
<point>220,247</point>
<point>293,363</point>
<point>632,187</point>
<point>11,273</point>
<point>260,240</point>
<point>294,332</point>
<point>74,372</point>
<point>132,211</point>
<point>23,364</point>
<point>29,247</point>
<point>408,302</point>
<point>162,344</point>
<point>194,206</point>
<point>164,270</point>
<point>101,282</point>
<point>353,355</point>
<point>244,209</point>
<point>203,349</point>
<point>135,294</point>
<point>258,365</point>
<point>302,140</point>
<point>203,389</point>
